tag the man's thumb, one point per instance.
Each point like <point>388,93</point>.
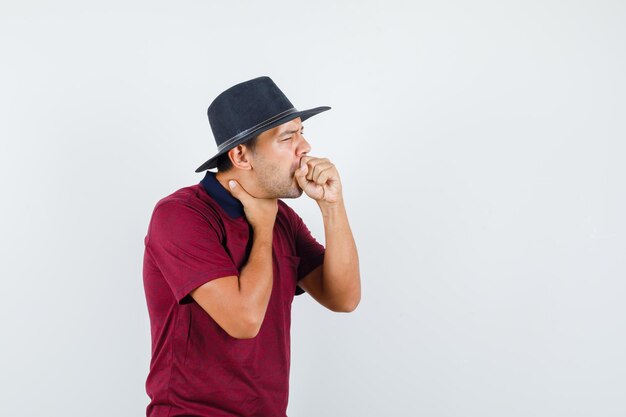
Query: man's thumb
<point>237,190</point>
<point>300,175</point>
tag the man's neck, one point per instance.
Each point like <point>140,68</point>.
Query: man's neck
<point>245,181</point>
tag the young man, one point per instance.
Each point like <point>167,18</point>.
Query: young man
<point>224,259</point>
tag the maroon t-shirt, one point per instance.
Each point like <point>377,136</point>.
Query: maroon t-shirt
<point>198,234</point>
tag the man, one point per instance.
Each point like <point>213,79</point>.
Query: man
<point>224,259</point>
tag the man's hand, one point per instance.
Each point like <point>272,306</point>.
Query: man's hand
<point>260,212</point>
<point>337,283</point>
<point>319,179</point>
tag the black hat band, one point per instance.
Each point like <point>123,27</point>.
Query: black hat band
<point>238,136</point>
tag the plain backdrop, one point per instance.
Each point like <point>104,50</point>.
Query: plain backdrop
<point>481,146</point>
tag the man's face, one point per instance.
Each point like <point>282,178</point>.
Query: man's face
<point>276,157</point>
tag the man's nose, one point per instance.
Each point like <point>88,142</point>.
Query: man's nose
<point>304,146</point>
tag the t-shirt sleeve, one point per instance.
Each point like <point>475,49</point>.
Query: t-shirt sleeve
<point>187,249</point>
<point>310,251</point>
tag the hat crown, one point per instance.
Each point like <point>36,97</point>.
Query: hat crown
<point>245,106</point>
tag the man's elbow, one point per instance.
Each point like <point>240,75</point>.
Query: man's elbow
<point>243,334</point>
<point>347,306</point>
<point>245,328</point>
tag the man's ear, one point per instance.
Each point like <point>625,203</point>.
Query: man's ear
<point>239,156</point>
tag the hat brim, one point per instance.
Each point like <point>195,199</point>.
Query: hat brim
<point>304,114</point>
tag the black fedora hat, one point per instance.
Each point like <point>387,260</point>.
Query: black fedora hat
<point>246,110</point>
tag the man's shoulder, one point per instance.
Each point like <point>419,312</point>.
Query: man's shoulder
<point>181,195</point>
<point>182,214</point>
<point>190,199</point>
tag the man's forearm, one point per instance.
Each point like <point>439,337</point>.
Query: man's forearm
<point>341,281</point>
<point>256,278</point>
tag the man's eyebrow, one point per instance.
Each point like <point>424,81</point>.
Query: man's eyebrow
<point>291,132</point>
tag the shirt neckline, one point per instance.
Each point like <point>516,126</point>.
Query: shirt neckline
<point>226,201</point>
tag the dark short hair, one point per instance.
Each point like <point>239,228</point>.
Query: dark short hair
<point>223,161</point>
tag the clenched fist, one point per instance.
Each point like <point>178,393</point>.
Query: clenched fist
<point>319,179</point>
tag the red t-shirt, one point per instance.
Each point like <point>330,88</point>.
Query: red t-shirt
<point>197,234</point>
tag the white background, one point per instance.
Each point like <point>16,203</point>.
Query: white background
<point>481,147</point>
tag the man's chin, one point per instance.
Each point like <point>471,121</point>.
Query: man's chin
<point>297,193</point>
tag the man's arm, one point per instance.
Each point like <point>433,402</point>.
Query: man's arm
<point>238,304</point>
<point>337,283</point>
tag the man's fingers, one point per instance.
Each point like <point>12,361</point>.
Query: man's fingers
<point>314,164</point>
<point>315,170</point>
<point>305,159</point>
<point>319,168</point>
<point>323,175</point>
<point>238,192</point>
<point>301,176</point>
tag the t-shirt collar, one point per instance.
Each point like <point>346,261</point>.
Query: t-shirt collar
<point>230,204</point>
